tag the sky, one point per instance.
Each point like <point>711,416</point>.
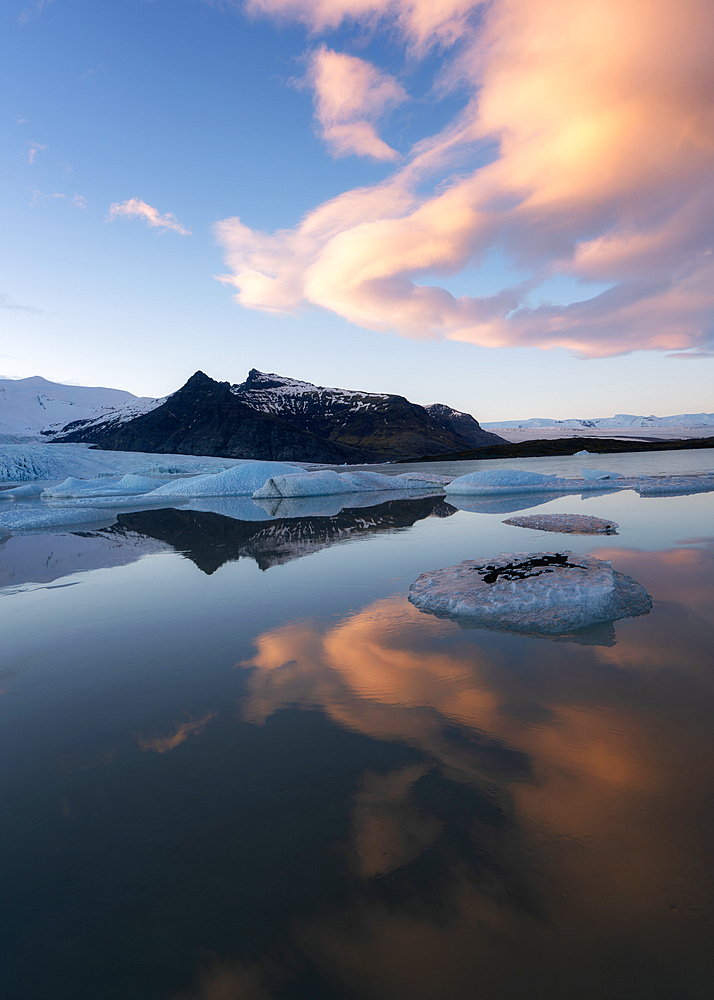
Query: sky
<point>506,206</point>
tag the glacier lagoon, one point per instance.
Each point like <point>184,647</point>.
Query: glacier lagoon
<point>238,763</point>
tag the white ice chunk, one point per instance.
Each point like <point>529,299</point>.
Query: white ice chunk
<point>599,474</point>
<point>372,481</point>
<point>676,486</point>
<point>307,484</point>
<point>571,524</point>
<point>493,481</point>
<point>576,454</point>
<point>423,479</point>
<point>547,593</point>
<point>241,480</point>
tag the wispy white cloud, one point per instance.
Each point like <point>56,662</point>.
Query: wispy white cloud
<point>38,197</point>
<point>136,209</point>
<point>79,201</point>
<point>33,148</point>
<point>22,121</point>
<point>33,12</point>
<point>586,150</point>
<point>7,303</point>
<point>350,96</point>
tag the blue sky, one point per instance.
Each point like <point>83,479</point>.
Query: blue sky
<point>205,115</point>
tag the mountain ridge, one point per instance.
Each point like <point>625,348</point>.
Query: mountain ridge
<point>278,418</point>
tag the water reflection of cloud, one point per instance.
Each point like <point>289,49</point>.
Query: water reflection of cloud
<point>598,766</point>
<point>162,744</point>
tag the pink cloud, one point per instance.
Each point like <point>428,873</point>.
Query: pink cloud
<point>350,95</point>
<point>602,117</point>
<point>135,209</point>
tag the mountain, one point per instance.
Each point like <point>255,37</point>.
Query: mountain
<point>272,417</point>
<point>462,424</point>
<point>619,421</point>
<point>29,406</point>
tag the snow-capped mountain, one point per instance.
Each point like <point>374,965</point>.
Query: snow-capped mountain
<point>33,406</point>
<point>277,418</point>
<point>620,420</point>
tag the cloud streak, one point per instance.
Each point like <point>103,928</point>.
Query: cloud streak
<point>136,209</point>
<point>601,118</point>
<point>33,148</point>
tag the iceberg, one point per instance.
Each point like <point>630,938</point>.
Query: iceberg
<point>599,474</point>
<point>240,480</point>
<point>306,484</point>
<point>408,481</point>
<point>676,486</point>
<point>424,479</point>
<point>493,481</point>
<point>572,524</point>
<point>539,593</point>
<point>496,482</point>
<point>128,484</point>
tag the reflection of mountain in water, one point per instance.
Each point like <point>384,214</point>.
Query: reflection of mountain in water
<point>210,540</point>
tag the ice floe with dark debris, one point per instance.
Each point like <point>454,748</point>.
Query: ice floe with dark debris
<point>539,593</point>
<point>572,524</point>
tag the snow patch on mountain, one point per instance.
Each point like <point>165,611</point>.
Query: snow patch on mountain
<point>30,407</point>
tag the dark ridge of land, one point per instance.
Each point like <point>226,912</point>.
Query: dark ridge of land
<point>564,446</point>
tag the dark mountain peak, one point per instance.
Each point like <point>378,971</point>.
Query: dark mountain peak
<point>198,378</point>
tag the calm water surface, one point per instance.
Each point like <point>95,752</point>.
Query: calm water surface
<point>238,765</point>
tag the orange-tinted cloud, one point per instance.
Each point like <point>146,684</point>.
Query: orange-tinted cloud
<point>136,209</point>
<point>350,95</point>
<point>602,117</point>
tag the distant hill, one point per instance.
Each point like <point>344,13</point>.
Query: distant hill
<point>622,425</point>
<point>620,420</point>
<point>277,418</point>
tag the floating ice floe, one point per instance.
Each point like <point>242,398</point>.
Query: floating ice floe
<point>100,487</point>
<point>676,486</point>
<point>542,593</point>
<point>29,492</point>
<point>37,517</point>
<point>572,524</point>
<point>424,479</point>
<point>241,480</point>
<point>578,454</point>
<point>599,474</point>
<point>493,482</point>
<point>307,484</point>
